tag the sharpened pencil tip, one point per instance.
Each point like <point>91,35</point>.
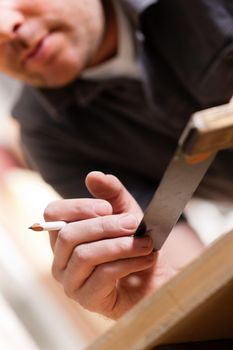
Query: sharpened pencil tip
<point>36,227</point>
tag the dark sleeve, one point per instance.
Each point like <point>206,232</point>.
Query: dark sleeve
<point>45,149</point>
<point>195,39</point>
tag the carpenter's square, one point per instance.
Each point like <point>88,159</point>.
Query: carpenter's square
<point>206,133</point>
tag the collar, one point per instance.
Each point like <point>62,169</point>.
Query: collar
<point>125,63</point>
<point>139,5</point>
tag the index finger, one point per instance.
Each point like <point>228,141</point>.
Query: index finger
<point>71,210</point>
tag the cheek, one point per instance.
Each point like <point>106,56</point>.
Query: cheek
<point>6,63</point>
<point>63,69</point>
<point>76,50</point>
<point>68,65</point>
<point>10,60</point>
<point>32,7</point>
<point>3,52</point>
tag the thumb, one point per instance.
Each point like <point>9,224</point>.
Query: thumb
<point>108,187</point>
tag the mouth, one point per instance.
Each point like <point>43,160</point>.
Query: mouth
<point>33,51</point>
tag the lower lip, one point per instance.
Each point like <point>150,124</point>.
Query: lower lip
<point>43,53</point>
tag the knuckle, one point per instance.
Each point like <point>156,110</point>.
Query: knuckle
<point>50,211</point>
<point>107,224</point>
<point>80,254</point>
<point>78,207</point>
<point>105,271</point>
<point>85,206</point>
<point>64,236</point>
<point>101,207</point>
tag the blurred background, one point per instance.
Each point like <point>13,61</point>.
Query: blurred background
<point>34,312</point>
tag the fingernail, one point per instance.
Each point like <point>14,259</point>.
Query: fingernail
<point>145,241</point>
<point>128,222</point>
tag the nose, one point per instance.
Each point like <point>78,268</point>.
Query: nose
<point>10,21</point>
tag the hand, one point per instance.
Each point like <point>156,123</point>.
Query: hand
<point>96,258</point>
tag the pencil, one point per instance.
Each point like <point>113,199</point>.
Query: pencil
<point>48,226</point>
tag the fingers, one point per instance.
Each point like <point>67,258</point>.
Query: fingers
<point>108,187</point>
<point>87,257</point>
<point>98,238</point>
<point>74,210</point>
<point>99,292</point>
<point>90,230</point>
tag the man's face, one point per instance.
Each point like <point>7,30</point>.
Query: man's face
<point>49,42</point>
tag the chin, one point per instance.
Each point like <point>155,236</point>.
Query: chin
<point>55,83</point>
<point>50,80</point>
<point>63,72</point>
<point>61,81</point>
<point>54,75</point>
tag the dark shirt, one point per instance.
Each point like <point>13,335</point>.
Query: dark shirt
<point>129,127</point>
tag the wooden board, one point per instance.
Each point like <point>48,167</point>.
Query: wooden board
<point>195,305</point>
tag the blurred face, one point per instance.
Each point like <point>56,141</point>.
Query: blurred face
<point>49,42</point>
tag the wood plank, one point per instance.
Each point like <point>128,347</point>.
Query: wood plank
<point>195,305</point>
